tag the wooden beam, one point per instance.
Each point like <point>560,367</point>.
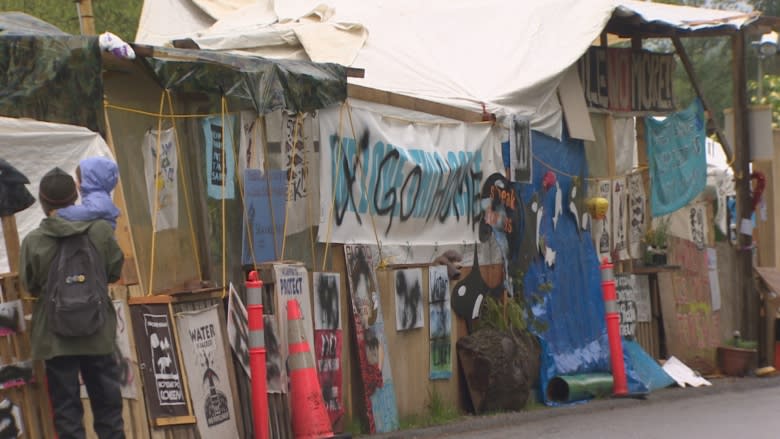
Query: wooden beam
<point>410,103</point>
<point>86,17</point>
<point>11,237</point>
<point>686,61</point>
<point>744,272</point>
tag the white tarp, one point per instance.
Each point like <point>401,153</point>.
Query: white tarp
<point>421,182</point>
<point>34,148</point>
<point>508,55</point>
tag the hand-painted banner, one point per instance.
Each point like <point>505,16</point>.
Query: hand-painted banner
<point>440,323</point>
<point>637,218</point>
<point>421,186</point>
<point>690,223</point>
<point>161,174</point>
<point>203,352</point>
<point>327,343</point>
<point>292,283</point>
<point>520,150</point>
<point>626,301</point>
<point>374,359</point>
<point>122,352</point>
<point>302,170</point>
<point>408,299</point>
<point>327,300</point>
<point>619,209</point>
<point>251,151</point>
<point>238,329</point>
<point>155,344</point>
<point>601,229</point>
<point>220,164</point>
<point>267,235</point>
<point>11,317</point>
<point>678,158</point>
<point>275,372</point>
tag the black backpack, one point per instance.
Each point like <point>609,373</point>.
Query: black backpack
<point>77,288</point>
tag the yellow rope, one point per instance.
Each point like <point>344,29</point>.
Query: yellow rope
<point>156,209</point>
<point>179,157</point>
<point>224,187</point>
<point>160,114</point>
<point>382,262</point>
<point>337,160</point>
<point>293,154</point>
<point>641,167</point>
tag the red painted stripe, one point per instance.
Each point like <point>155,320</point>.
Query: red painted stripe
<point>296,348</point>
<point>255,321</point>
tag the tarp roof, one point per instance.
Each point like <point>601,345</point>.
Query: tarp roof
<point>506,55</point>
<point>49,75</point>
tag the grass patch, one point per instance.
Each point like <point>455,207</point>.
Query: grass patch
<point>439,412</point>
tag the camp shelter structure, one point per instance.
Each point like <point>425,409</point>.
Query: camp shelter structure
<point>67,79</point>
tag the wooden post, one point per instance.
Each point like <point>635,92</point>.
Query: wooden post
<point>86,17</point>
<point>11,236</point>
<point>745,286</point>
<point>686,61</point>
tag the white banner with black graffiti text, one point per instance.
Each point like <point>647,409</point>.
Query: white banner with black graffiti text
<point>203,351</point>
<point>421,182</point>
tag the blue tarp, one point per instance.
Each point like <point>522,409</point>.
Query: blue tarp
<point>571,306</point>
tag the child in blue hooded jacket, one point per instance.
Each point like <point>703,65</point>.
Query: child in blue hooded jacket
<point>97,177</point>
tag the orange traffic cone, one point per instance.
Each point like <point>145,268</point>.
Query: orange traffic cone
<point>309,417</point>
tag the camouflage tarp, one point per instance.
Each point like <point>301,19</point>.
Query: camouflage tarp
<point>51,78</point>
<point>268,84</point>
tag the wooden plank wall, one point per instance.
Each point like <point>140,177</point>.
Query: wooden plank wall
<point>32,398</point>
<point>134,410</point>
<point>410,350</point>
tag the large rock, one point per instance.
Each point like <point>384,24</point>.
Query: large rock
<point>500,368</point>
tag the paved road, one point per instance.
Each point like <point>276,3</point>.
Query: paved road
<point>751,414</point>
<point>731,408</point>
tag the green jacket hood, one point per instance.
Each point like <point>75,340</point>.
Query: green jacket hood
<point>57,227</point>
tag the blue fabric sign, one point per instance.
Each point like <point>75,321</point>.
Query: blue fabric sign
<point>219,153</point>
<point>678,161</point>
<point>259,209</point>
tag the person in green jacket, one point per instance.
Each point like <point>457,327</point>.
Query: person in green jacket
<point>65,357</point>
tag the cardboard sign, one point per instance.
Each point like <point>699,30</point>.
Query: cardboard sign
<point>158,360</point>
<point>203,351</point>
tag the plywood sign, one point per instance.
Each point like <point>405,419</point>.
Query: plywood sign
<point>371,345</point>
<point>626,80</point>
<point>156,345</point>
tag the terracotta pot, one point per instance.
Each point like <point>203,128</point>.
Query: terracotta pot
<point>736,361</point>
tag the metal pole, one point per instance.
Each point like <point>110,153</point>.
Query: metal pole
<point>760,79</point>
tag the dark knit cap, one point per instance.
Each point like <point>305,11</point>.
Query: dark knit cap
<point>57,189</point>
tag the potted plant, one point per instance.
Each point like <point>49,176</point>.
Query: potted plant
<point>736,357</point>
<point>656,242</point>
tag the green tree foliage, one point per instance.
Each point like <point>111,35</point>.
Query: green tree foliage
<point>117,16</point>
